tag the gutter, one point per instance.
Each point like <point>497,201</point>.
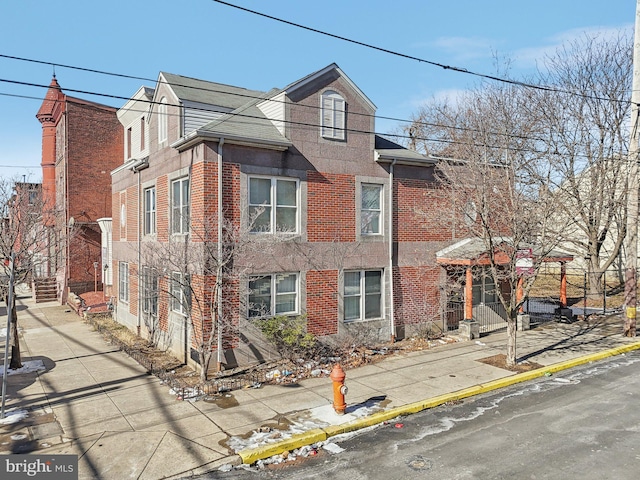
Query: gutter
<point>136,167</point>
<point>198,136</point>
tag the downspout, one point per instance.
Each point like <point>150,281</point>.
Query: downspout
<point>219,281</point>
<point>390,220</point>
<point>67,265</point>
<point>139,258</point>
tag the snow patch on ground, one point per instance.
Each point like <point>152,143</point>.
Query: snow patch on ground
<point>13,416</point>
<point>27,367</point>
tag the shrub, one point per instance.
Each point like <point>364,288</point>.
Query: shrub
<point>288,334</point>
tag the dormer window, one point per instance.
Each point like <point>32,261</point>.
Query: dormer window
<point>333,115</point>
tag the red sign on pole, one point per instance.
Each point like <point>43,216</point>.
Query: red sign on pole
<point>524,262</point>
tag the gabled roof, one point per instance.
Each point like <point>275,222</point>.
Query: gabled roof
<point>211,93</point>
<point>292,87</point>
<point>246,124</point>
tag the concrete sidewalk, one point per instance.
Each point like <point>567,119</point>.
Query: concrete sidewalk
<point>89,399</point>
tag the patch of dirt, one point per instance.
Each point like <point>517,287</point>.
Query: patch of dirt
<point>316,363</point>
<point>500,361</point>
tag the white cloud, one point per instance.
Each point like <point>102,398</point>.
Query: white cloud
<point>450,95</point>
<point>465,48</point>
<point>531,56</point>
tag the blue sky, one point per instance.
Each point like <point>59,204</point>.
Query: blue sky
<point>208,40</point>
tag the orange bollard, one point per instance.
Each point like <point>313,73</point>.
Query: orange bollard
<point>339,389</point>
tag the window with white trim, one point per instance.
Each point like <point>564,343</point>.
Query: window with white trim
<point>333,115</point>
<point>362,295</point>
<point>163,125</point>
<point>371,209</point>
<point>180,206</point>
<point>180,292</point>
<point>123,282</point>
<point>150,290</point>
<point>273,205</point>
<point>150,210</point>
<point>275,294</point>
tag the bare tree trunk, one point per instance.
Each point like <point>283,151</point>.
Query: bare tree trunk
<point>511,341</point>
<point>16,362</point>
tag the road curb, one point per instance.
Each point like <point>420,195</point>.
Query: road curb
<point>252,455</point>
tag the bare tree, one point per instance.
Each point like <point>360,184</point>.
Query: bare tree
<point>531,169</point>
<point>492,172</point>
<point>583,121</point>
<point>23,235</point>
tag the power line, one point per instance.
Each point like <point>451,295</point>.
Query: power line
<point>299,124</point>
<point>421,60</point>
<point>242,95</point>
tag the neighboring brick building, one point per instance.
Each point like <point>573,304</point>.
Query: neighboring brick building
<point>82,143</point>
<point>337,211</point>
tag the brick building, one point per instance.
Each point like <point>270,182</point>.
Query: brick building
<point>82,143</point>
<point>335,214</point>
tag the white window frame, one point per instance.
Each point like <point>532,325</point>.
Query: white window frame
<point>362,296</point>
<point>163,123</point>
<point>366,212</point>
<point>180,293</point>
<point>274,294</point>
<point>180,208</point>
<point>272,205</point>
<point>150,211</point>
<point>150,279</point>
<point>333,115</point>
<point>123,282</point>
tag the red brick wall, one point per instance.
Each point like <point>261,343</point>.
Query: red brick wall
<point>133,289</point>
<point>331,209</point>
<point>162,208</point>
<point>204,198</point>
<point>417,294</point>
<point>322,302</point>
<point>424,212</point>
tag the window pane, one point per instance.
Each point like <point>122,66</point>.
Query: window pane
<point>352,283</point>
<point>286,283</point>
<point>260,296</point>
<point>371,197</point>
<point>372,306</point>
<point>370,222</point>
<point>373,282</point>
<point>262,220</point>
<point>286,303</point>
<point>260,191</point>
<point>286,193</point>
<point>351,308</point>
<point>286,219</point>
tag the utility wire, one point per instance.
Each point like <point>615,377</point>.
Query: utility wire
<point>244,95</point>
<point>421,60</point>
<point>289,122</point>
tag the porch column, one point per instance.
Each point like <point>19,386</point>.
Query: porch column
<point>468,295</point>
<point>563,285</point>
<point>520,294</point>
<point>468,328</point>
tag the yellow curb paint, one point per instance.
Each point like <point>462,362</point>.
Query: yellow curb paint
<point>252,455</point>
<point>318,435</point>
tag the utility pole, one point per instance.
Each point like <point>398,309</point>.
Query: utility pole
<point>631,269</point>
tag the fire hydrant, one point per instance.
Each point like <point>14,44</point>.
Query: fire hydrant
<point>339,389</point>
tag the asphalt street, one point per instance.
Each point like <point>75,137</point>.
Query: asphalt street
<point>582,423</point>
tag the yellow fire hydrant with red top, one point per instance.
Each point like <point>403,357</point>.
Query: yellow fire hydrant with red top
<point>339,389</point>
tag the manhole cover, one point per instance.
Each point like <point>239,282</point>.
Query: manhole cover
<point>418,462</point>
